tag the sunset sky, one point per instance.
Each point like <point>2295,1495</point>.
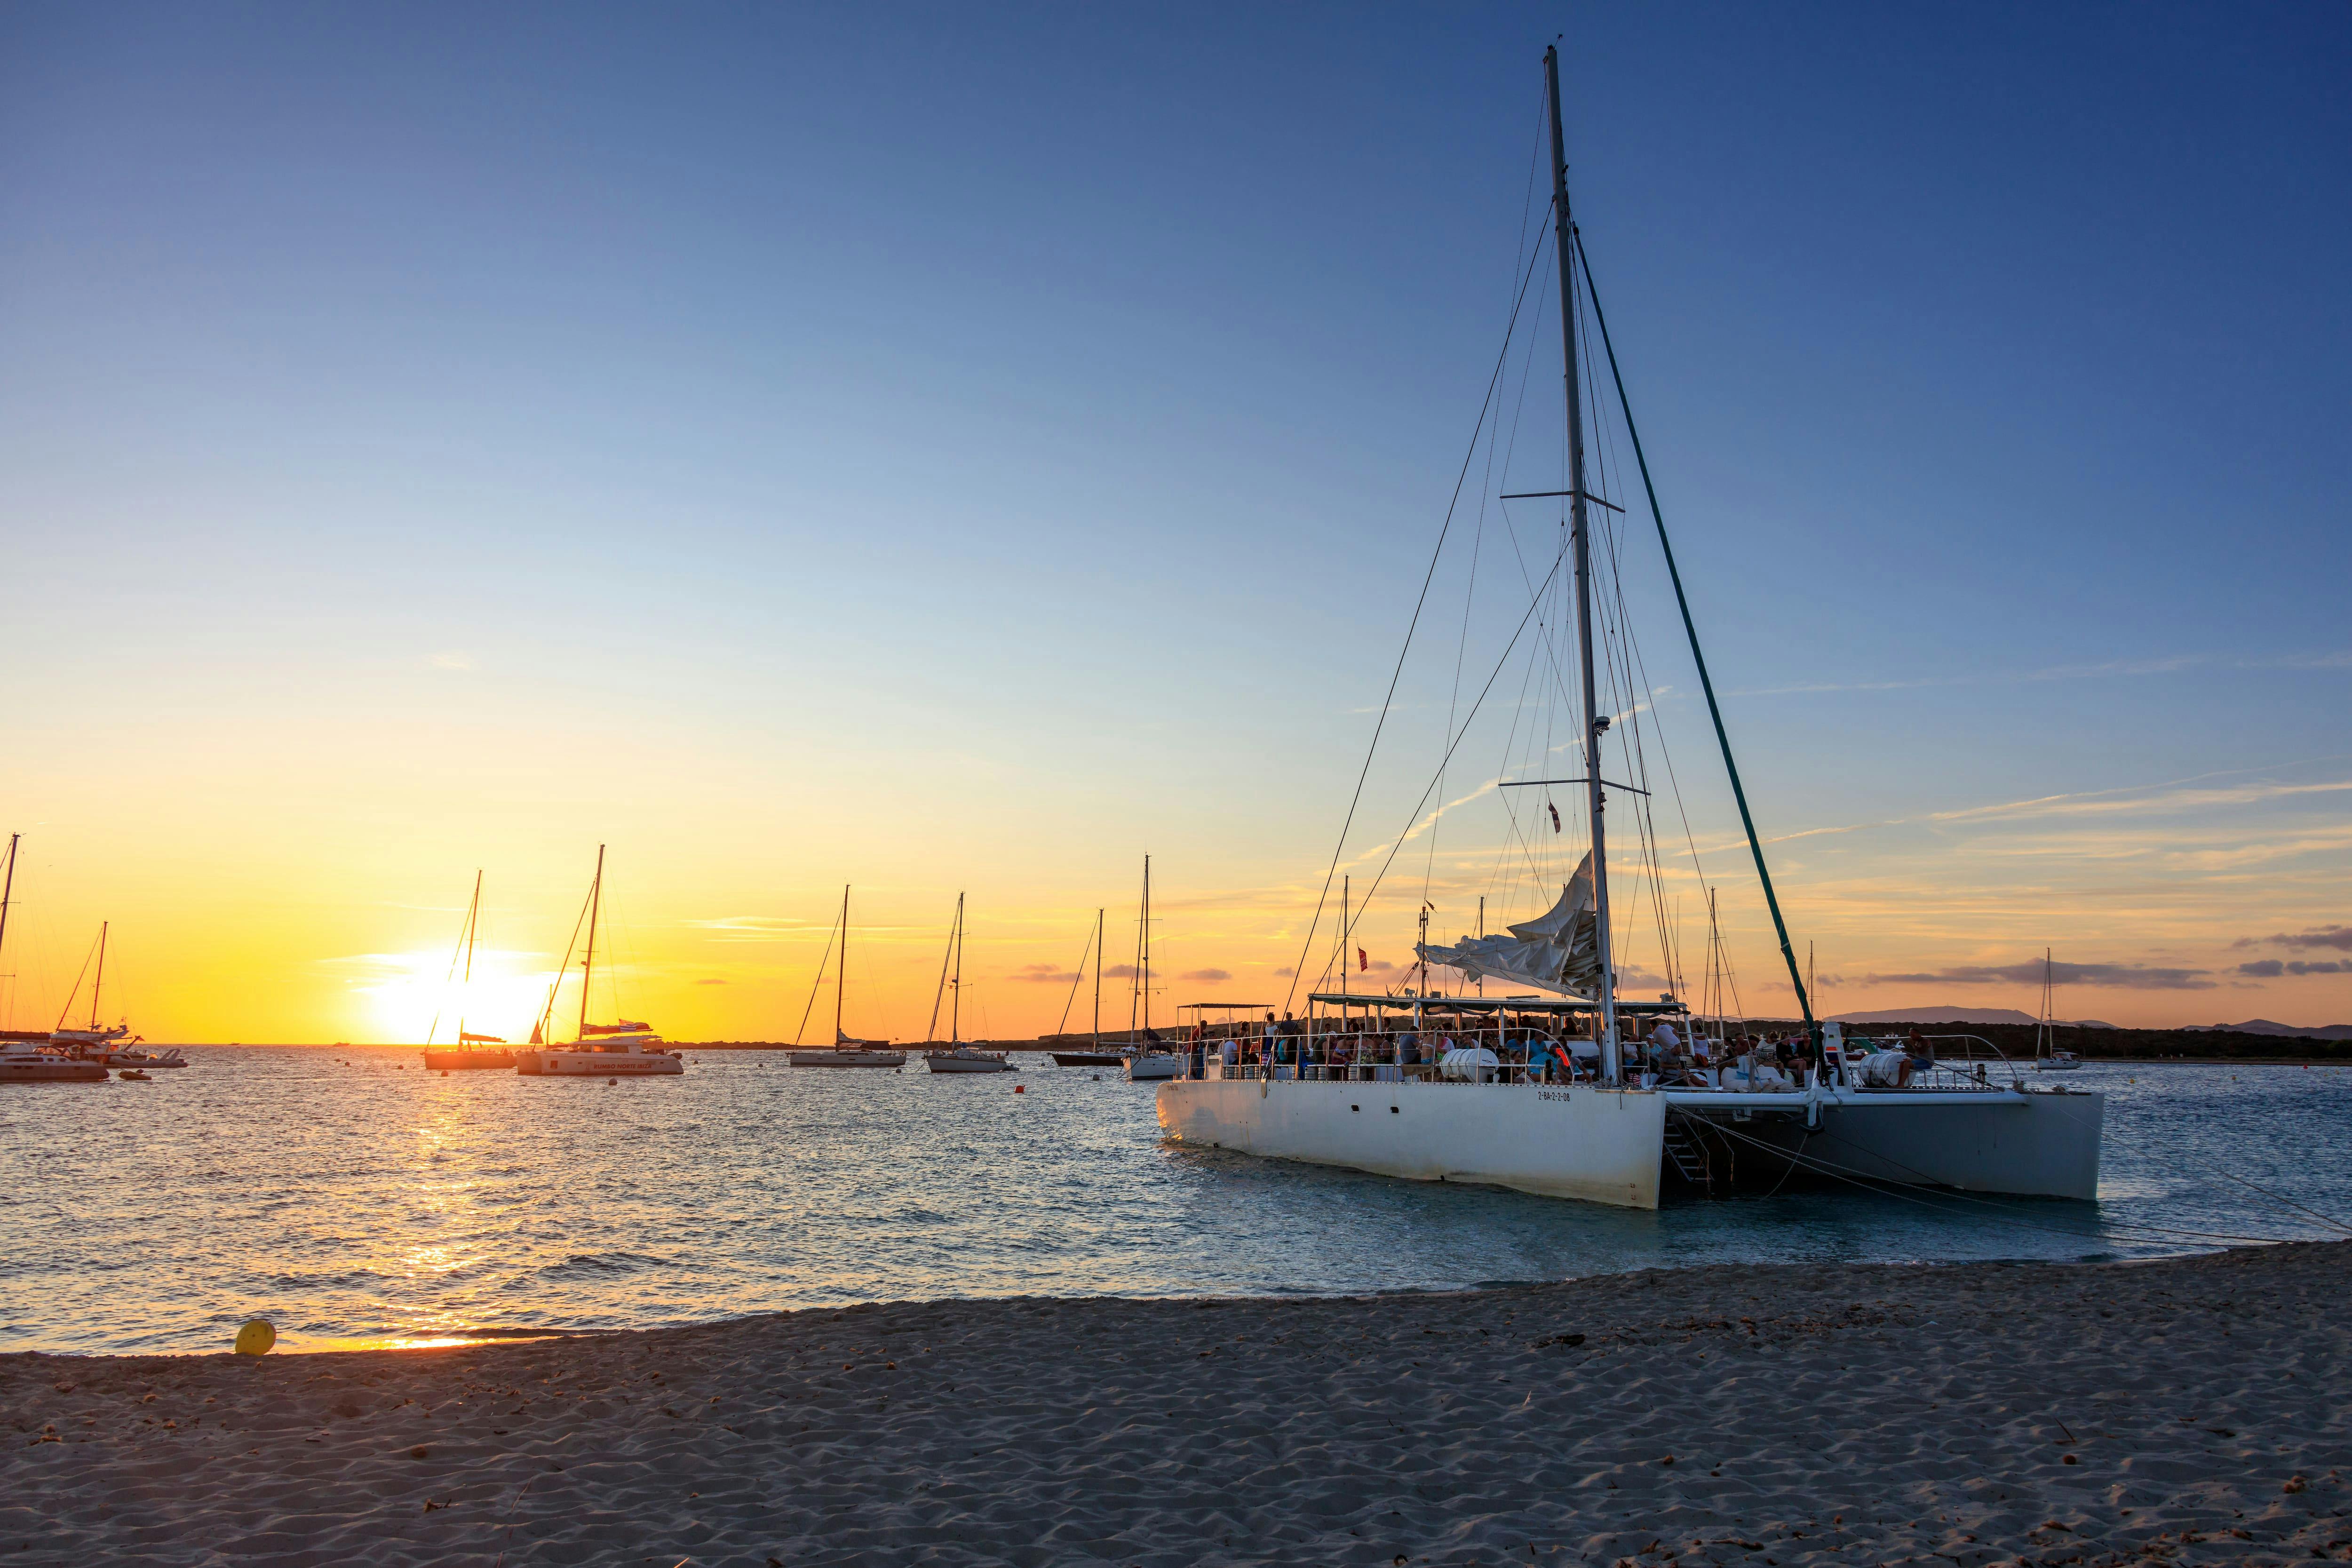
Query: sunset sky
<point>965,450</point>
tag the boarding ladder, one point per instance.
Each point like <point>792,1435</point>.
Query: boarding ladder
<point>1688,1155</point>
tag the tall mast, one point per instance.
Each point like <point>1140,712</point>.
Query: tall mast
<point>588,963</point>
<point>955,986</point>
<point>1144,975</point>
<point>100,984</point>
<point>841,975</point>
<point>1595,802</point>
<point>7,888</point>
<point>473,913</point>
<point>1347,939</point>
<point>1098,958</point>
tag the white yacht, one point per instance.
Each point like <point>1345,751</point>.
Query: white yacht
<point>1473,1089</point>
<point>29,1061</point>
<point>621,1049</point>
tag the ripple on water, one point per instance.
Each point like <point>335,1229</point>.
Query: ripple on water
<point>361,1204</point>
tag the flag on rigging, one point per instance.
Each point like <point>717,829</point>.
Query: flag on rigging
<point>1363,960</point>
<point>1554,815</point>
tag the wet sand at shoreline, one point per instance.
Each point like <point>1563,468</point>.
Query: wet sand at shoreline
<point>2188,1411</point>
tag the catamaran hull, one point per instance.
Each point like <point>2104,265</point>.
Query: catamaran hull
<point>459,1061</point>
<point>848,1059</point>
<point>596,1064</point>
<point>1603,1147</point>
<point>2025,1145</point>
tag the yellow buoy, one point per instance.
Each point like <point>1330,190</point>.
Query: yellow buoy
<point>256,1338</point>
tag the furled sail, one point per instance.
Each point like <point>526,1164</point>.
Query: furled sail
<point>1558,951</point>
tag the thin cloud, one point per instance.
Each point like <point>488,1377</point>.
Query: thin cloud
<point>2272,968</point>
<point>2337,937</point>
<point>1207,976</point>
<point>1120,972</point>
<point>2128,976</point>
<point>710,983</point>
<point>1045,973</point>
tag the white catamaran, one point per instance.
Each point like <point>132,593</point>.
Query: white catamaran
<point>1559,1089</point>
<point>621,1049</point>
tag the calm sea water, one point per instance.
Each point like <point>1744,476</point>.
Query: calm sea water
<point>352,1197</point>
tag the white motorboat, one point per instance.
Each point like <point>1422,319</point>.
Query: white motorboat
<point>28,1061</point>
<point>1490,1089</point>
<point>968,1058</point>
<point>622,1049</point>
<point>845,1052</point>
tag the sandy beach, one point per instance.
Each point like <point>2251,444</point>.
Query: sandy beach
<point>2184,1411</point>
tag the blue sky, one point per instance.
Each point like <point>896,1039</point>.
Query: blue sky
<point>937,448</point>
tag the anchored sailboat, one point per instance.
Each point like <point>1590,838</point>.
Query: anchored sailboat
<point>469,1052</point>
<point>621,1049</point>
<point>26,1057</point>
<point>959,1058</point>
<point>845,1052</point>
<point>1496,1090</point>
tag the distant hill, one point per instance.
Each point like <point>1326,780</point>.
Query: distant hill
<point>2267,1026</point>
<point>1961,1016</point>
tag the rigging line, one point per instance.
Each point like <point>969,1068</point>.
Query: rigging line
<point>1707,683</point>
<point>818,983</point>
<point>1389,701</point>
<point>1080,973</point>
<point>1402,837</point>
<point>2276,1197</point>
<point>76,984</point>
<point>547,1015</point>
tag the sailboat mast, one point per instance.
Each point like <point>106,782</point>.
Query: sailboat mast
<point>100,984</point>
<point>1098,958</point>
<point>841,975</point>
<point>1144,977</point>
<point>955,986</point>
<point>473,913</point>
<point>1347,938</point>
<point>588,963</point>
<point>7,889</point>
<point>1580,539</point>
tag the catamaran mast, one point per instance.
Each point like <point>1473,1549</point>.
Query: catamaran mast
<point>1580,539</point>
<point>100,984</point>
<point>588,963</point>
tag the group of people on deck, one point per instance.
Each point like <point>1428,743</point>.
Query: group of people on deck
<point>1656,1052</point>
